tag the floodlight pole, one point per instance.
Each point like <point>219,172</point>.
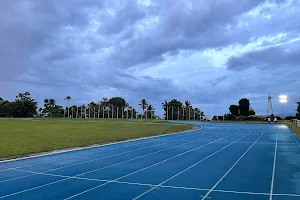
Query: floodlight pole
<point>282,111</point>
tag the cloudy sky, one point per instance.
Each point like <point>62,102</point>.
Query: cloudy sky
<point>209,52</point>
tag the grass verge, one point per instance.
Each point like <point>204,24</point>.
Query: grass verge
<point>23,137</point>
<point>293,127</point>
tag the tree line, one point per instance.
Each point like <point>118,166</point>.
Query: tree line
<point>115,107</point>
<point>176,110</point>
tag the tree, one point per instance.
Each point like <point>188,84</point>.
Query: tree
<point>244,106</point>
<point>187,103</point>
<point>234,109</point>
<point>150,111</point>
<point>118,103</point>
<point>23,106</point>
<point>5,107</point>
<point>298,109</point>
<point>68,98</point>
<point>251,112</point>
<point>143,105</point>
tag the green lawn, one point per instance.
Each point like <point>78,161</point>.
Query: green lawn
<point>21,137</point>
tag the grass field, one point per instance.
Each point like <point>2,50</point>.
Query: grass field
<point>21,137</point>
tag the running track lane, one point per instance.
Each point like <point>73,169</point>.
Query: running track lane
<point>221,161</point>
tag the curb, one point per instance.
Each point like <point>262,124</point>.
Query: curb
<point>94,146</point>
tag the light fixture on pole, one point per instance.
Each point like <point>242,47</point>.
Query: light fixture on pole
<point>282,100</point>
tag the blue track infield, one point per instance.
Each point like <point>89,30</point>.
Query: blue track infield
<point>220,161</point>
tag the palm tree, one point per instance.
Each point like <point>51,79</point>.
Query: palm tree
<point>143,105</point>
<point>187,103</point>
<point>166,108</point>
<point>150,108</point>
<point>52,104</point>
<point>68,98</point>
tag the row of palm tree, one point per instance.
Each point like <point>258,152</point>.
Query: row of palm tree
<point>149,109</point>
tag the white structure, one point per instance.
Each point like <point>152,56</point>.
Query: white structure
<point>282,100</point>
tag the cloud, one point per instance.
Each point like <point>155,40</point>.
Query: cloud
<point>197,50</point>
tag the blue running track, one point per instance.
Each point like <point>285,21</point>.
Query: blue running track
<point>220,161</point>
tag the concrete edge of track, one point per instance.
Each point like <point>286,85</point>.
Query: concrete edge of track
<point>94,146</point>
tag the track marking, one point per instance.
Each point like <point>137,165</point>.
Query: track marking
<point>138,171</point>
<point>274,168</point>
<point>240,158</point>
<point>75,164</point>
<point>189,168</point>
<point>118,163</point>
<point>168,186</point>
<point>34,188</point>
<point>101,145</point>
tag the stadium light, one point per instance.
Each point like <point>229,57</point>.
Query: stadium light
<point>282,100</point>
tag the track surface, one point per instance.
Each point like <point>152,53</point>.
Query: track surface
<point>220,161</point>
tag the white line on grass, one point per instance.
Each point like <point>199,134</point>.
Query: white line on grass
<point>274,168</point>
<point>187,168</point>
<point>34,188</point>
<point>240,158</point>
<point>96,146</point>
<point>109,156</point>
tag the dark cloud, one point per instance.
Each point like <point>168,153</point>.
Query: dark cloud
<point>267,59</point>
<point>87,48</point>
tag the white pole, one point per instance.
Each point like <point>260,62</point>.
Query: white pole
<point>117,112</point>
<point>77,113</point>
<point>89,111</point>
<point>103,112</point>
<point>112,113</point>
<point>72,111</point>
<point>167,113</point>
<point>131,113</point>
<point>122,112</point>
<point>98,111</point>
<point>94,111</point>
<point>200,116</point>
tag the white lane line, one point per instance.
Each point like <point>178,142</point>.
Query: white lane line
<point>34,188</point>
<point>75,164</point>
<point>138,171</point>
<point>294,136</point>
<point>69,157</point>
<point>166,186</point>
<point>97,146</point>
<point>187,168</point>
<point>274,168</point>
<point>118,163</point>
<point>240,158</point>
